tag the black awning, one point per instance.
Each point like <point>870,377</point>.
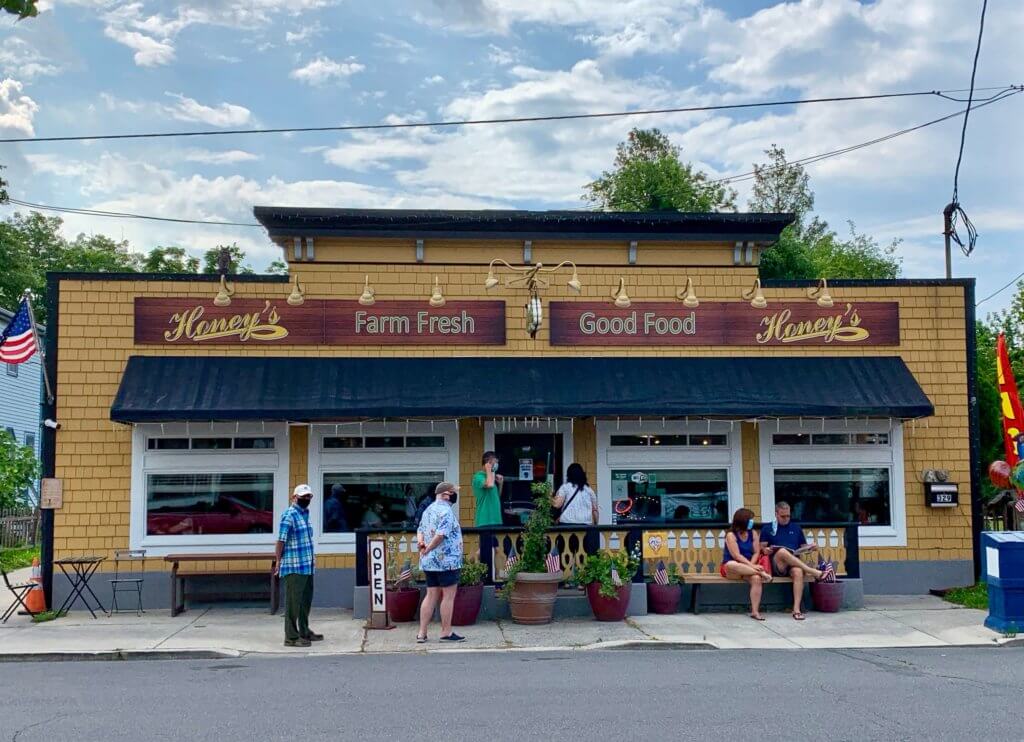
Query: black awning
<point>169,388</point>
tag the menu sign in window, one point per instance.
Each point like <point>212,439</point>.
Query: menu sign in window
<point>725,323</point>
<point>185,321</point>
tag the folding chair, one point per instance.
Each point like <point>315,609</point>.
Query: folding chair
<point>129,574</point>
<point>19,591</point>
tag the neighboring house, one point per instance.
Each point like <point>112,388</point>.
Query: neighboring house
<point>20,390</point>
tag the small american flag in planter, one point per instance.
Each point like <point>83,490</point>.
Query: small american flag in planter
<point>1019,505</point>
<point>615,577</point>
<point>510,560</point>
<point>406,574</point>
<point>553,562</point>
<point>661,574</point>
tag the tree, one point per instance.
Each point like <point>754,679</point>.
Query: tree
<point>650,176</point>
<point>20,8</point>
<point>3,189</point>
<point>18,470</point>
<point>169,260</point>
<point>278,268</point>
<point>211,259</point>
<point>808,248</point>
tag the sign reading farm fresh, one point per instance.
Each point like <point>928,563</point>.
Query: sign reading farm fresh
<point>184,321</point>
<point>725,323</point>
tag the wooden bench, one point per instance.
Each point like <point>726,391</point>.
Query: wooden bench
<point>716,579</point>
<point>178,597</point>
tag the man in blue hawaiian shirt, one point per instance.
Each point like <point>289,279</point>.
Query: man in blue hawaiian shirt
<point>440,543</point>
<point>295,567</point>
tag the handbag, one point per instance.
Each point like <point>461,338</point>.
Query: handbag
<point>565,506</point>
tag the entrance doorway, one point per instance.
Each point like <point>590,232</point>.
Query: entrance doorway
<point>527,455</point>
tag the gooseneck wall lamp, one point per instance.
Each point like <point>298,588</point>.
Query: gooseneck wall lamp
<point>531,277</point>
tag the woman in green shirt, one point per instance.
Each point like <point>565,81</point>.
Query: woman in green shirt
<point>487,491</point>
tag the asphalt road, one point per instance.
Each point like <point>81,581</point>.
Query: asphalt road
<point>947,694</point>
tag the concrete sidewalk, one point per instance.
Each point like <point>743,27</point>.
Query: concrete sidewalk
<point>886,621</point>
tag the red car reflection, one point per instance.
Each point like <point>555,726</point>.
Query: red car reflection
<point>225,515</point>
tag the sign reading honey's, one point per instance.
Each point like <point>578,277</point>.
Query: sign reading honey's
<point>185,321</point>
<point>725,323</point>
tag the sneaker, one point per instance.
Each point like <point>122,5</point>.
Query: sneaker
<point>453,637</point>
<point>314,637</point>
<point>300,642</point>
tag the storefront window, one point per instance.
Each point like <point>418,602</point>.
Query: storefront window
<point>369,499</point>
<point>860,495</point>
<point>197,504</point>
<point>670,496</point>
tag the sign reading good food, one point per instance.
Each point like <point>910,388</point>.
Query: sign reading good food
<point>185,321</point>
<point>725,323</point>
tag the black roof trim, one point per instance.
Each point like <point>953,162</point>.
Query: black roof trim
<point>294,221</point>
<point>799,283</point>
<point>178,277</point>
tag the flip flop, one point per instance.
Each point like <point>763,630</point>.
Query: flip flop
<point>421,640</point>
<point>757,618</point>
<point>798,617</point>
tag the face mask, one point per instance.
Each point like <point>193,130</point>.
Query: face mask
<point>453,497</point>
<point>750,524</point>
<point>304,502</point>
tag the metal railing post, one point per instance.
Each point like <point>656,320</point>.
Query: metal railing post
<point>362,575</point>
<point>852,539</point>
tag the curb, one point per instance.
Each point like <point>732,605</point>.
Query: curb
<point>655,644</point>
<point>121,654</point>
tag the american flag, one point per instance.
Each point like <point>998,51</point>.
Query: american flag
<point>661,574</point>
<point>510,560</point>
<point>553,562</point>
<point>1019,505</point>
<point>18,341</point>
<point>615,577</point>
<point>406,574</point>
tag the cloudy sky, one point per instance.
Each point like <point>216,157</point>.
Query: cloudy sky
<point>116,66</point>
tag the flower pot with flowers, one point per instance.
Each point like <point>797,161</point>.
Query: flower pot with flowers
<point>607,576</point>
<point>470,594</point>
<point>529,588</point>
<point>402,597</point>
<point>664,589</point>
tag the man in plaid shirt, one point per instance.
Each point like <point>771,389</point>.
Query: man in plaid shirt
<point>295,565</point>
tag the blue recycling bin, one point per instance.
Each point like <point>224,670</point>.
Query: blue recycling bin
<point>1003,559</point>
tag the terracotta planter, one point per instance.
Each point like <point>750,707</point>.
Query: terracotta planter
<point>533,597</point>
<point>827,596</point>
<point>608,609</point>
<point>402,604</point>
<point>467,604</point>
<point>663,598</point>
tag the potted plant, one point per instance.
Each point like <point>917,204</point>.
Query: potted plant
<point>530,589</point>
<point>402,597</point>
<point>607,576</point>
<point>470,594</point>
<point>664,598</point>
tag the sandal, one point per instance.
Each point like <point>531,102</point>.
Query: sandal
<point>421,639</point>
<point>757,618</point>
<point>798,616</point>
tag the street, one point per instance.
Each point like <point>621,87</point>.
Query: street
<point>935,694</point>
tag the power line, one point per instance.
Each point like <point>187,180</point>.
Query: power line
<point>126,215</point>
<point>473,122</point>
<point>996,293</point>
<point>1006,93</point>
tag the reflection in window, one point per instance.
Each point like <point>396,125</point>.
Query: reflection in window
<point>859,495</point>
<point>196,504</point>
<point>669,440</point>
<point>370,499</point>
<point>670,495</point>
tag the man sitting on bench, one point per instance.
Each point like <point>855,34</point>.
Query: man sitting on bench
<point>783,539</point>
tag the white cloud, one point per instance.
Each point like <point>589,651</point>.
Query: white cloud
<point>149,52</point>
<point>402,51</point>
<point>16,110</point>
<point>227,157</point>
<point>18,57</point>
<point>323,70</point>
<point>502,57</point>
<point>304,33</point>
<point>433,80</point>
<point>223,114</point>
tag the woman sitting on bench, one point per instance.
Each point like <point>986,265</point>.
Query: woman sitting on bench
<point>741,558</point>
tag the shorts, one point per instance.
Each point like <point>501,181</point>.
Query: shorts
<point>721,571</point>
<point>443,578</point>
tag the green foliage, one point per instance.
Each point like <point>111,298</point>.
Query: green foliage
<point>278,268</point>
<point>809,248</point>
<point>3,189</point>
<point>535,541</point>
<point>473,573</point>
<point>18,469</point>
<point>975,596</point>
<point>674,578</point>
<point>598,568</point>
<point>169,260</point>
<point>12,559</point>
<point>650,176</point>
<point>236,264</point>
<point>48,616</point>
<point>20,8</point>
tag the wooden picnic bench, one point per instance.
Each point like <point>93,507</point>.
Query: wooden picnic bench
<point>178,596</point>
<point>716,579</point>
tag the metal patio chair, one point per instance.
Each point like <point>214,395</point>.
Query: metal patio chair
<point>19,590</point>
<point>129,574</point>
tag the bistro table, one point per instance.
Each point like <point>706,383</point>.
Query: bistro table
<point>79,570</point>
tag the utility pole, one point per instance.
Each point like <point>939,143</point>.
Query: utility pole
<point>947,233</point>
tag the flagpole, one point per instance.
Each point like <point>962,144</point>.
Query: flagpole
<point>27,298</point>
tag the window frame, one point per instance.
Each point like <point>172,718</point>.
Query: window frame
<point>848,456</point>
<point>375,460</point>
<point>216,461</point>
<point>728,457</point>
<point>12,370</point>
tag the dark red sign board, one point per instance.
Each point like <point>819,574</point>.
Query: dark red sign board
<point>725,323</point>
<point>185,321</point>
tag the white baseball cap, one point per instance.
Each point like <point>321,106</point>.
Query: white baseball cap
<point>302,490</point>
